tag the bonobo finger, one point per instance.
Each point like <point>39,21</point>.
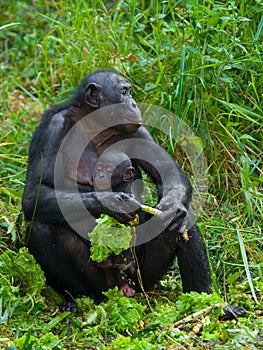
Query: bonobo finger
<point>122,196</point>
<point>117,202</point>
<point>120,206</point>
<point>178,223</point>
<point>163,206</point>
<point>168,203</point>
<point>178,226</point>
<point>174,219</point>
<point>126,203</point>
<point>123,218</point>
<point>163,220</point>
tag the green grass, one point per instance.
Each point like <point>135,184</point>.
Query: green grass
<point>202,60</point>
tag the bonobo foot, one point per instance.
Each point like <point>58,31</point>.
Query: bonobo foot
<point>232,312</point>
<point>68,306</point>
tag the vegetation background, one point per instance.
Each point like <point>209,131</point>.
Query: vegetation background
<point>201,60</point>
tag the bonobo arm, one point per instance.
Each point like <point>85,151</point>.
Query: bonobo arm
<point>40,198</point>
<point>50,203</point>
<point>173,186</point>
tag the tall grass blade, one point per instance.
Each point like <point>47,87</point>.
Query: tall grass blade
<point>9,25</point>
<point>243,111</point>
<point>28,93</point>
<point>181,82</point>
<point>260,26</point>
<point>245,261</point>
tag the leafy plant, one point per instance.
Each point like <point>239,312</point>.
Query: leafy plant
<point>21,281</point>
<point>109,236</point>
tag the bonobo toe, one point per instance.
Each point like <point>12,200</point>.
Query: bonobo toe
<point>68,306</point>
<point>231,312</point>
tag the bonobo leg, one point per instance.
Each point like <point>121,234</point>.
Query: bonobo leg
<point>193,262</point>
<point>64,257</point>
<point>155,257</point>
<point>158,254</point>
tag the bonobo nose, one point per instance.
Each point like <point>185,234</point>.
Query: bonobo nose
<point>133,103</point>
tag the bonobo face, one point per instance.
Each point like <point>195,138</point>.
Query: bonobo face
<point>115,90</point>
<point>106,88</point>
<point>112,170</point>
<point>102,176</point>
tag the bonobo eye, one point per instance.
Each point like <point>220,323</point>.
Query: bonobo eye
<point>125,90</point>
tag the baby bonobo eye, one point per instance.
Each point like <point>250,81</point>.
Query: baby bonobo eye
<point>128,175</point>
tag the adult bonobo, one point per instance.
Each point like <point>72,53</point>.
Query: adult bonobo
<point>101,114</point>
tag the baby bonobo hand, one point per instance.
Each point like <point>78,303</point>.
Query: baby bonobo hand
<point>119,205</point>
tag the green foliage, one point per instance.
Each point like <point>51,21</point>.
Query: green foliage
<point>125,313</point>
<point>117,315</point>
<point>203,61</point>
<point>118,322</point>
<point>47,341</point>
<point>108,236</point>
<point>21,283</point>
<point>134,344</point>
<point>192,302</point>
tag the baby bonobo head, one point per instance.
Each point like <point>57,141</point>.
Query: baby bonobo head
<point>113,171</point>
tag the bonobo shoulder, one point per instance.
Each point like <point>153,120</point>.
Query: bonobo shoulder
<point>58,126</point>
<point>49,131</point>
<point>58,120</point>
<point>55,112</point>
<point>50,126</point>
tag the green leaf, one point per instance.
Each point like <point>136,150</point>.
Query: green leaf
<point>109,236</point>
<point>123,313</point>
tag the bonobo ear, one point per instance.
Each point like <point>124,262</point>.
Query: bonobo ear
<point>92,95</point>
<point>129,173</point>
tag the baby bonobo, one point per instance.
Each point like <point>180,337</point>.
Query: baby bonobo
<point>114,172</point>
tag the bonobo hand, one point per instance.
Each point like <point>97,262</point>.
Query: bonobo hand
<point>119,205</point>
<point>174,213</point>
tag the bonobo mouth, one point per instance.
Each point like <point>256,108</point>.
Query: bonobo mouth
<point>129,128</point>
<point>132,128</point>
